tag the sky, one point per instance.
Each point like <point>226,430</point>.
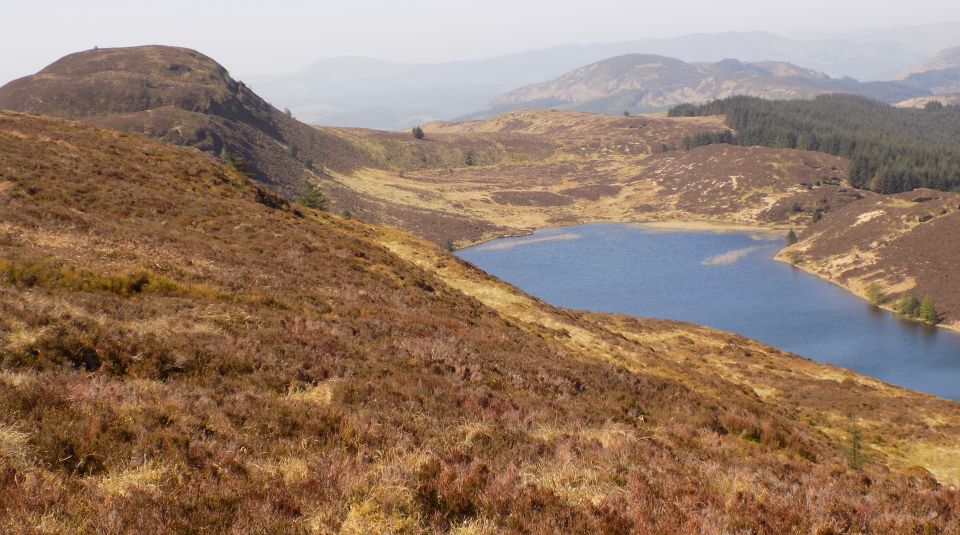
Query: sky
<point>251,37</point>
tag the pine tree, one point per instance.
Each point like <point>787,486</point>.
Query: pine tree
<point>875,294</point>
<point>418,132</point>
<point>791,237</point>
<point>928,311</point>
<point>855,439</point>
<point>314,198</point>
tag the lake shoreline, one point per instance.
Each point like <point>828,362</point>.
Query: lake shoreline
<point>722,276</point>
<point>700,225</point>
<point>691,225</point>
<point>781,257</point>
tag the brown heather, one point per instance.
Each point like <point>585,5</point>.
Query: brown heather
<point>181,354</point>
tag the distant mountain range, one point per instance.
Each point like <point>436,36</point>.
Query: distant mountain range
<point>648,83</point>
<point>380,94</point>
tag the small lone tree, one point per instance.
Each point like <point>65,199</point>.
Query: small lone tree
<point>237,162</point>
<point>626,113</point>
<point>928,311</point>
<point>855,444</point>
<point>791,237</point>
<point>418,132</point>
<point>313,198</point>
<point>875,294</point>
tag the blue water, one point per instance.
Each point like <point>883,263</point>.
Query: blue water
<point>729,281</point>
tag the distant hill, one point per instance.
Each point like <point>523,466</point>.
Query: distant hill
<point>921,102</point>
<point>940,74</point>
<point>945,59</point>
<point>645,83</point>
<point>370,93</point>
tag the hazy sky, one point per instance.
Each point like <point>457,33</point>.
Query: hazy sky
<point>252,37</point>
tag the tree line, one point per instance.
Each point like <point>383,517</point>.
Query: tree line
<point>890,149</point>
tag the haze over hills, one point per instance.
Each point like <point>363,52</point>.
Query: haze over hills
<point>646,83</point>
<point>948,58</point>
<point>182,353</point>
<point>387,95</point>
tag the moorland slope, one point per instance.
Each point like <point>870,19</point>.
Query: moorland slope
<point>183,350</point>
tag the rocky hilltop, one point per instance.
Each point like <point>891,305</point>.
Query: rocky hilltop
<point>182,97</point>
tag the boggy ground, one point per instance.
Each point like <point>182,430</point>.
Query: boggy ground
<point>184,351</point>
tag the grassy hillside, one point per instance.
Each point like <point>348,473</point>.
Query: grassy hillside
<point>466,182</point>
<point>184,351</point>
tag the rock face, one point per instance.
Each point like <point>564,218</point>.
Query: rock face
<point>644,83</point>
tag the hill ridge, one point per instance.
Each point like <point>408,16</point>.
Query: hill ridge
<point>647,83</point>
